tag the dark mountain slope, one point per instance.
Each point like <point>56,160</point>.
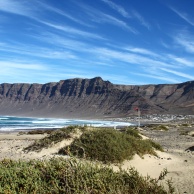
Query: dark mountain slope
<point>94,98</point>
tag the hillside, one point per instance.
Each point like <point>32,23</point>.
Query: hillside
<point>94,98</point>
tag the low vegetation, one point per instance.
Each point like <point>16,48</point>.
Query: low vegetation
<point>183,132</point>
<point>74,177</point>
<point>110,146</point>
<point>185,125</point>
<point>132,131</point>
<point>158,127</point>
<point>36,132</point>
<point>53,138</point>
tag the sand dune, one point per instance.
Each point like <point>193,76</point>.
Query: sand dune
<point>175,159</point>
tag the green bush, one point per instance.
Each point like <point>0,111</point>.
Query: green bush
<point>54,137</point>
<point>132,132</point>
<point>73,177</point>
<point>71,128</point>
<point>184,133</point>
<point>159,127</point>
<point>109,145</point>
<point>146,146</point>
<point>185,125</point>
<point>39,131</point>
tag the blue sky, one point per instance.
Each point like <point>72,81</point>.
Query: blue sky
<point>126,42</point>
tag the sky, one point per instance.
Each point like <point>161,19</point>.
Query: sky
<point>131,42</point>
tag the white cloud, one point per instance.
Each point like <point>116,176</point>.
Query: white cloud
<point>63,43</point>
<point>141,51</point>
<point>158,76</point>
<point>100,17</point>
<point>164,44</point>
<point>182,61</point>
<point>186,41</point>
<point>116,7</point>
<point>18,7</point>
<point>131,58</point>
<point>183,15</point>
<point>140,19</point>
<point>177,73</point>
<point>113,20</point>
<point>33,10</point>
<point>15,65</point>
<point>60,12</point>
<point>71,30</point>
<point>34,51</point>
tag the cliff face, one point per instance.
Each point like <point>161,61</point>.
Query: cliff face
<point>94,98</point>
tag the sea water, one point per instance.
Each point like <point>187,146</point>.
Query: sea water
<point>8,123</point>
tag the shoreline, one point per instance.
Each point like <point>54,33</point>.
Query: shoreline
<point>175,158</point>
<point>13,123</point>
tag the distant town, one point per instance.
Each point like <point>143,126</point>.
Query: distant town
<point>158,118</point>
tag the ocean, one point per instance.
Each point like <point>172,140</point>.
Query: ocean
<point>8,123</point>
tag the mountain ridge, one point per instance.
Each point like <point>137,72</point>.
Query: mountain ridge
<point>94,98</point>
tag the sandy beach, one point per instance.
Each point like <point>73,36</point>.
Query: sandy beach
<point>178,159</point>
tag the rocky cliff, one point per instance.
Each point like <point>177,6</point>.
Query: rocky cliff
<point>94,98</point>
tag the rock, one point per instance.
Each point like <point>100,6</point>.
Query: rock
<point>94,98</point>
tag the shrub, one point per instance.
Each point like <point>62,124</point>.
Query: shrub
<point>105,145</point>
<point>39,131</point>
<point>159,127</point>
<point>184,133</point>
<point>71,128</point>
<point>132,132</point>
<point>73,177</point>
<point>108,145</point>
<point>146,146</point>
<point>54,137</point>
<point>185,125</point>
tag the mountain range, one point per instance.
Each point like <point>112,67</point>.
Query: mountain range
<point>94,98</point>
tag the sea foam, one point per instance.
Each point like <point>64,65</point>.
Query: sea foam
<point>8,123</point>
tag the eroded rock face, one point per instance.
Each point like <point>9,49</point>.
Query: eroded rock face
<point>94,98</point>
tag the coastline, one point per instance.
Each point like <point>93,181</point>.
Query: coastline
<point>14,123</point>
<point>175,158</point>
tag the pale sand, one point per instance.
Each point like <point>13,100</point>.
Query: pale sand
<point>178,162</point>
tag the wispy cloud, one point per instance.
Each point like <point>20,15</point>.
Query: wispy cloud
<point>124,13</point>
<point>34,51</point>
<point>62,13</point>
<point>14,65</point>
<point>183,15</point>
<point>140,18</point>
<point>186,41</point>
<point>164,44</point>
<point>72,30</point>
<point>22,8</point>
<point>178,73</point>
<point>116,7</point>
<point>131,58</point>
<point>182,61</point>
<point>113,20</point>
<point>62,42</point>
<point>163,77</point>
<point>27,9</point>
<point>20,71</point>
<point>100,17</point>
<point>141,51</point>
